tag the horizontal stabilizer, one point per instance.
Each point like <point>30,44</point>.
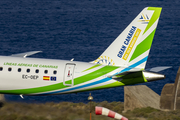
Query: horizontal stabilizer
<point>158,69</point>
<point>25,54</point>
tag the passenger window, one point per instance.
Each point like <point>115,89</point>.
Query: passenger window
<point>1,68</point>
<point>19,69</point>
<point>54,72</point>
<point>37,71</point>
<point>9,69</point>
<point>46,71</point>
<point>28,70</point>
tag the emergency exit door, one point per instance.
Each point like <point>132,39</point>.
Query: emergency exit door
<point>69,74</point>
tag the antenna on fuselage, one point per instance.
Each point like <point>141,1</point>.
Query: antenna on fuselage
<point>22,96</point>
<point>72,59</point>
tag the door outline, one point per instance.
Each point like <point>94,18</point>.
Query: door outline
<point>69,74</point>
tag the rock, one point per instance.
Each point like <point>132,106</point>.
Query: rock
<point>170,95</point>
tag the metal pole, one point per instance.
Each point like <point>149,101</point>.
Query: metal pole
<point>90,110</point>
<point>90,98</point>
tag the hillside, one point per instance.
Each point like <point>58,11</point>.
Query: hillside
<point>78,111</point>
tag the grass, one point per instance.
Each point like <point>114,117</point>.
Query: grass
<point>78,111</point>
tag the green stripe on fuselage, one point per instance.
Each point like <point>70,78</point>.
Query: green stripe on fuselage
<point>140,79</point>
<point>97,65</point>
<point>94,74</point>
<point>79,80</point>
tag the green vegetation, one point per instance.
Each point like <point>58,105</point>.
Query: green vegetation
<point>78,111</point>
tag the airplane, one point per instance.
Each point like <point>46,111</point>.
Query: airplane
<point>122,63</point>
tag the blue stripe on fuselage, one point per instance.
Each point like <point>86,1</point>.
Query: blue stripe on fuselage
<point>82,86</point>
<point>99,81</point>
<point>134,65</point>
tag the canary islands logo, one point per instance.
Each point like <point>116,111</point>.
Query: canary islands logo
<point>144,19</point>
<point>104,60</point>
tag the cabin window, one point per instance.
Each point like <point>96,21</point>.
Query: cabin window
<point>45,71</point>
<point>28,70</point>
<point>37,71</point>
<point>1,68</point>
<point>19,69</point>
<point>9,69</point>
<point>54,72</point>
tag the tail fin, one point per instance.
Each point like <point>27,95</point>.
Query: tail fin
<point>131,48</point>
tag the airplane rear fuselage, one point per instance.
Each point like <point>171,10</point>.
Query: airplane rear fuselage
<point>34,76</point>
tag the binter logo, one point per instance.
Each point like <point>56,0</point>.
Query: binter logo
<point>144,19</point>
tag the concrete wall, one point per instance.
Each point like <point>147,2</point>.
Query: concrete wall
<point>140,96</point>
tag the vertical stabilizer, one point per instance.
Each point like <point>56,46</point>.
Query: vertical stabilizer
<point>131,48</point>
